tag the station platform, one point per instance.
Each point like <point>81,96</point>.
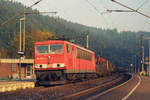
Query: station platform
<point>15,85</point>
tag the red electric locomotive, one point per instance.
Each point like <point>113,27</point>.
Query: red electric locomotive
<point>58,60</point>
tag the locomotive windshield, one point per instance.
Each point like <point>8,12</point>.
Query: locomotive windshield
<point>56,48</point>
<point>42,49</point>
<point>49,49</point>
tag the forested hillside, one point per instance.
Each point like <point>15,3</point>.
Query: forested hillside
<point>119,47</point>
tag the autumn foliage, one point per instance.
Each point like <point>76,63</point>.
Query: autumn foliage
<point>31,38</point>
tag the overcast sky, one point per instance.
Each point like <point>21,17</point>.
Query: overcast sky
<point>90,12</point>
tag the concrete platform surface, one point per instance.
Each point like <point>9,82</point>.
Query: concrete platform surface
<point>14,85</point>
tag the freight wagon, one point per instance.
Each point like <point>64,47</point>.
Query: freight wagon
<point>104,67</point>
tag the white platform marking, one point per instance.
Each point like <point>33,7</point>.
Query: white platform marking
<point>124,98</point>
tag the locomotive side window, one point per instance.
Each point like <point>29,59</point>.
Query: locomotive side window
<point>68,48</point>
<point>42,49</point>
<point>83,54</point>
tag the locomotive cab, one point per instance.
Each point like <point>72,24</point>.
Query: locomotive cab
<point>49,61</point>
<point>49,57</point>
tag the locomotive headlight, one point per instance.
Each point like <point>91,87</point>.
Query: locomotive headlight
<point>40,66</point>
<point>58,65</point>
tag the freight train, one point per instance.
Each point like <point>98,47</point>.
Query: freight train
<point>61,61</point>
<point>104,67</point>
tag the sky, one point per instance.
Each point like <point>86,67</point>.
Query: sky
<point>93,13</point>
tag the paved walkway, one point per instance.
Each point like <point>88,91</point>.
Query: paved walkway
<point>138,88</point>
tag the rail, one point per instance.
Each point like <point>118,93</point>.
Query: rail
<point>90,90</point>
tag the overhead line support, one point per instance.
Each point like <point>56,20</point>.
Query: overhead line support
<point>134,10</point>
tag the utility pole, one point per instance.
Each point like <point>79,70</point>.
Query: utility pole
<point>20,52</point>
<point>24,32</point>
<point>135,64</point>
<point>149,60</point>
<point>22,35</point>
<point>148,67</point>
<point>87,40</point>
<point>142,54</point>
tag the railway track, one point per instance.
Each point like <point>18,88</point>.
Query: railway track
<point>66,91</point>
<point>85,94</point>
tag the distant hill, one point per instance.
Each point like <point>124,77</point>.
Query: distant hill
<point>118,47</point>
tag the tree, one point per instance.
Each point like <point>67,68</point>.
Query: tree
<point>31,38</point>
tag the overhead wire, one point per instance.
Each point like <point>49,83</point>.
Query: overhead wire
<point>60,11</point>
<point>67,14</point>
<point>112,23</point>
<point>137,11</point>
<point>21,12</point>
<point>142,4</point>
<point>96,9</point>
<point>132,9</point>
<point>145,20</point>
